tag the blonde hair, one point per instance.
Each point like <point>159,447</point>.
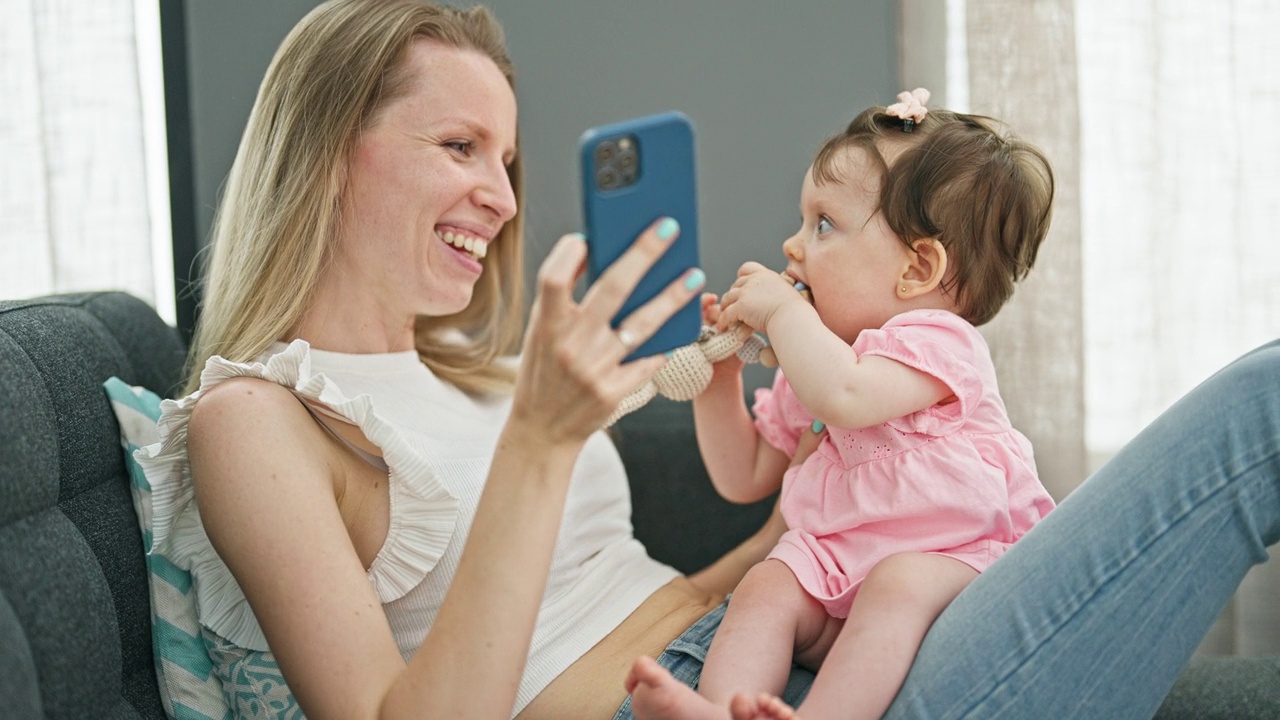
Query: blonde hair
<point>279,216</point>
<point>963,179</point>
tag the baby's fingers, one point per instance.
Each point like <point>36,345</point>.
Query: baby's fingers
<point>710,308</point>
<point>729,316</point>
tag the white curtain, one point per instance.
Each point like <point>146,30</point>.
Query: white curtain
<point>1180,198</point>
<point>1162,264</point>
<point>75,212</point>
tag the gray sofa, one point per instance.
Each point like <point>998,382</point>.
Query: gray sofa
<point>75,636</point>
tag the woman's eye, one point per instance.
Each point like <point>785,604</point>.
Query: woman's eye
<point>462,147</point>
<point>824,225</point>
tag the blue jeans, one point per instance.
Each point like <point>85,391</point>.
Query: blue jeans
<point>685,656</point>
<point>1094,613</point>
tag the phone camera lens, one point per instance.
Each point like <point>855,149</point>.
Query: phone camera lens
<point>627,159</point>
<point>607,179</point>
<point>605,152</point>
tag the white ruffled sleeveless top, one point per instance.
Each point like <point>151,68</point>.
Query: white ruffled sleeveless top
<point>437,442</point>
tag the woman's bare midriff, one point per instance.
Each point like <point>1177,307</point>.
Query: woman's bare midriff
<point>591,688</point>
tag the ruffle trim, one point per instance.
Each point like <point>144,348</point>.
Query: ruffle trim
<point>905,339</point>
<point>423,512</point>
<point>770,420</point>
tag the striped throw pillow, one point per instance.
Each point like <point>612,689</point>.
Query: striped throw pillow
<point>189,687</point>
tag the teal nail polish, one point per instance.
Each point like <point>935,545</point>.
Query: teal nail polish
<point>695,279</point>
<point>668,228</point>
<point>669,354</point>
<point>577,236</point>
<point>817,426</point>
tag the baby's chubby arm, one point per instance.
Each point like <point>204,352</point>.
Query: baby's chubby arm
<point>834,383</point>
<point>743,468</point>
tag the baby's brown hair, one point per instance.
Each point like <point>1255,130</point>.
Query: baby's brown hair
<point>963,179</point>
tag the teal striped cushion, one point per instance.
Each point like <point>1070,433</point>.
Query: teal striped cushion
<point>189,687</point>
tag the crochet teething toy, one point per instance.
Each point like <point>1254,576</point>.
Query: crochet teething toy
<point>688,369</point>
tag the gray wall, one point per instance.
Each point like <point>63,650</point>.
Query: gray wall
<point>763,82</point>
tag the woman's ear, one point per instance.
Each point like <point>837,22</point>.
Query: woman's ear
<point>925,268</point>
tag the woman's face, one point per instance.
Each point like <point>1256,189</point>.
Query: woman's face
<point>428,189</point>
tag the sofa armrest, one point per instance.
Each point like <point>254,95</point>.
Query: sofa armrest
<point>1225,688</point>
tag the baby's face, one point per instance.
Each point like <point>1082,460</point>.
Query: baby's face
<point>844,250</point>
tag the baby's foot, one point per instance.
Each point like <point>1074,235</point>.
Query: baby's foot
<point>761,707</point>
<point>656,695</point>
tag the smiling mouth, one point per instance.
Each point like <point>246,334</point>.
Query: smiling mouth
<point>476,247</point>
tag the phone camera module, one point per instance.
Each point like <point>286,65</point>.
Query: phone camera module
<point>617,163</point>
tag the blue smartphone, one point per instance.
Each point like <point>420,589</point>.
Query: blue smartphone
<point>634,172</point>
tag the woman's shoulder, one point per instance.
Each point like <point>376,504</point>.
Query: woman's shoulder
<point>244,394</point>
<point>248,412</point>
<point>246,417</point>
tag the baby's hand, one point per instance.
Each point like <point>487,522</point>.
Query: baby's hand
<point>756,296</point>
<point>710,316</point>
<point>710,308</point>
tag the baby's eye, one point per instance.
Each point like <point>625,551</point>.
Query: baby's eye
<point>824,225</point>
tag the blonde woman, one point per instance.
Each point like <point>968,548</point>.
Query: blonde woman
<point>382,509</point>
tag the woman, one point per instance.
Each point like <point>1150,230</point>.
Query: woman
<point>418,528</point>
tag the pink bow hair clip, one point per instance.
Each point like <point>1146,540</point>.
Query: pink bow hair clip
<point>910,107</point>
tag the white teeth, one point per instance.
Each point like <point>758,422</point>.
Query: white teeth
<point>474,245</point>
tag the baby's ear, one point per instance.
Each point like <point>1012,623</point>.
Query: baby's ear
<point>924,270</point>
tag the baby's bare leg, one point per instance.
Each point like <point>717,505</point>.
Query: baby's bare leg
<point>769,618</point>
<point>894,608</point>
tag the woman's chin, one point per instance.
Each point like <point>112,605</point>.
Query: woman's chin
<point>445,306</point>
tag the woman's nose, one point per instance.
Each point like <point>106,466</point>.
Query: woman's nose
<point>497,194</point>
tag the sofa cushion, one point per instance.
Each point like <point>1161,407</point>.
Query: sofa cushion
<point>74,613</point>
<point>676,511</point>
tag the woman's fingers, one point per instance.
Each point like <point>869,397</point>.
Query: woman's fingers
<point>572,371</point>
<point>646,319</point>
<point>559,271</point>
<point>809,441</point>
<point>606,296</point>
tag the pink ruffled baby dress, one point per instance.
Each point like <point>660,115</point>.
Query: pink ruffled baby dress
<point>954,479</point>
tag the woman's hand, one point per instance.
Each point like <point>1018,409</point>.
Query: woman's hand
<point>755,296</point>
<point>571,374</point>
<point>808,443</point>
